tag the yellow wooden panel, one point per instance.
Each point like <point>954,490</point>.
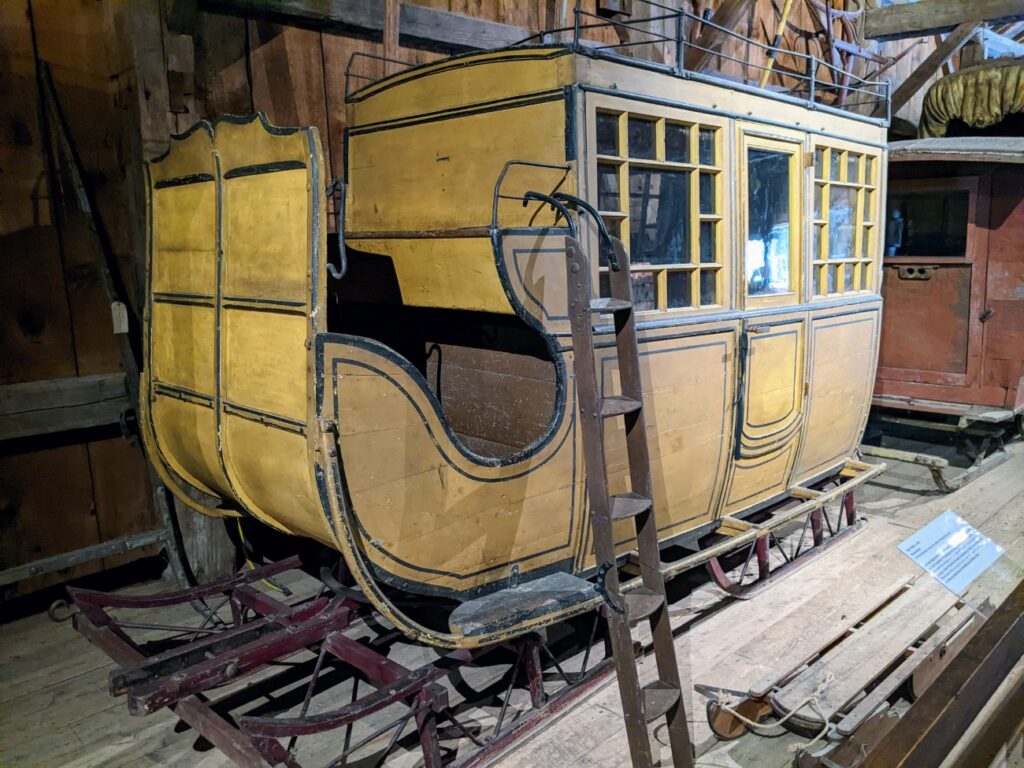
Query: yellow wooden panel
<point>185,240</point>
<point>687,386</point>
<point>457,273</point>
<point>256,141</point>
<point>187,437</point>
<point>842,365</point>
<point>441,175</point>
<point>755,480</point>
<point>266,233</point>
<point>484,77</point>
<point>265,363</point>
<point>271,472</point>
<point>188,156</point>
<point>772,380</point>
<point>434,515</point>
<point>183,346</point>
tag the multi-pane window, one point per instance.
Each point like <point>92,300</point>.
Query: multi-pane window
<point>845,216</point>
<point>660,189</point>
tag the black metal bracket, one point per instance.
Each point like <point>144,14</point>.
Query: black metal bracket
<point>333,189</point>
<point>602,228</point>
<point>556,205</point>
<point>601,587</point>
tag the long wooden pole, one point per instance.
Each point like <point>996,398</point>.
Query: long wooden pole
<point>773,52</point>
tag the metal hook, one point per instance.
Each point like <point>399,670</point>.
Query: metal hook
<point>602,228</point>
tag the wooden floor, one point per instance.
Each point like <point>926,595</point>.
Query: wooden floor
<point>56,712</point>
<point>737,645</point>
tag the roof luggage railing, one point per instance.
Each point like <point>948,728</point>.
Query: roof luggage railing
<point>685,45</point>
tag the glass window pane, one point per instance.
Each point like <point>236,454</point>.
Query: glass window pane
<point>766,256</point>
<point>865,242</point>
<point>706,146</point>
<point>819,163</point>
<point>869,170</point>
<point>607,187</point>
<point>659,210</point>
<point>932,223</point>
<point>833,273</point>
<point>679,289</point>
<point>853,167</point>
<point>607,134</point>
<point>707,192</point>
<point>644,297</point>
<point>841,222</point>
<point>707,242</point>
<point>708,287</point>
<point>848,277</point>
<point>868,208</point>
<point>818,270</point>
<point>835,161</point>
<point>816,242</point>
<point>677,143</point>
<point>641,138</point>
<point>819,192</point>
<point>865,271</point>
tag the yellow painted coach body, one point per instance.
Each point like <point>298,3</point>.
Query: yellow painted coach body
<point>452,466</point>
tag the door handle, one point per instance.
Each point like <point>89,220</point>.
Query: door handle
<point>986,315</point>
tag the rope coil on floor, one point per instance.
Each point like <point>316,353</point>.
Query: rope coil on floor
<point>810,700</point>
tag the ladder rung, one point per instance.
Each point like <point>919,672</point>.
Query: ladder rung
<point>619,405</point>
<point>605,305</point>
<point>628,505</point>
<point>641,604</point>
<point>659,698</point>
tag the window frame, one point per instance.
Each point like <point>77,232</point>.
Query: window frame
<point>721,267</point>
<point>795,147</point>
<point>867,231</point>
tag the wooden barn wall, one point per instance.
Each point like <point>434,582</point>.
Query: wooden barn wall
<point>59,493</point>
<point>126,83</point>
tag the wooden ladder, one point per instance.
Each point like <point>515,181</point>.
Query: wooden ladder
<point>663,698</point>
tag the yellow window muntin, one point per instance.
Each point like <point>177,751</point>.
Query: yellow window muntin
<point>781,142</point>
<point>712,271</point>
<point>852,170</point>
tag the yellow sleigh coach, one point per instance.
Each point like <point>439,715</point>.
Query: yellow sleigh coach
<point>411,397</point>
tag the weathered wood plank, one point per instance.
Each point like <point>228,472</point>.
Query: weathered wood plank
<point>928,17</point>
<point>60,393</point>
<point>859,659</point>
<point>60,405</point>
<point>728,16</point>
<point>452,31</point>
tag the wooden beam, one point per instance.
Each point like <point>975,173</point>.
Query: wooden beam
<point>60,405</point>
<point>906,90</point>
<point>728,15</point>
<point>996,45</point>
<point>391,18</point>
<point>417,24</point>
<point>929,17</point>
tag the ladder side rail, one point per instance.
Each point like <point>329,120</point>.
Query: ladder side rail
<point>592,424</point>
<point>649,550</point>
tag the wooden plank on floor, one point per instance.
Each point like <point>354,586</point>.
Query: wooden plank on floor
<point>853,664</point>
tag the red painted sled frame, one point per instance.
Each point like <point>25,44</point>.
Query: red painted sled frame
<point>264,630</point>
